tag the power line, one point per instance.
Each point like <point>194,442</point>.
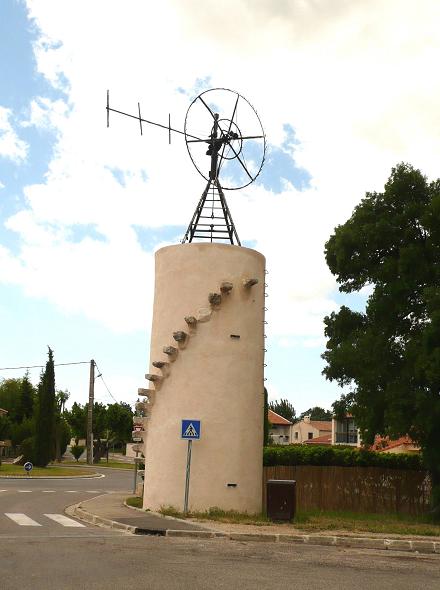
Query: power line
<point>42,366</point>
<point>105,385</point>
<point>62,365</point>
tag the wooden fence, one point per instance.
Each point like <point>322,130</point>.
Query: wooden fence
<point>355,489</point>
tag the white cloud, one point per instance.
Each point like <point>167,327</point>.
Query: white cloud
<point>105,281</point>
<point>11,146</point>
<point>46,114</point>
<point>354,79</point>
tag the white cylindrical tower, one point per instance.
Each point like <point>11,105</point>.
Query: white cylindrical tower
<point>209,307</point>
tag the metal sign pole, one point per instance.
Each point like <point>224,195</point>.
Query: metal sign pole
<point>188,469</point>
<point>135,474</point>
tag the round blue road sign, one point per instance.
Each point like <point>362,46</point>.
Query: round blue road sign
<point>28,466</point>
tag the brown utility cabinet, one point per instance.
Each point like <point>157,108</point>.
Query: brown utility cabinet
<point>281,499</point>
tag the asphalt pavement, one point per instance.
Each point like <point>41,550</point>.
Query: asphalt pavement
<point>130,561</point>
<point>40,550</point>
<point>36,506</point>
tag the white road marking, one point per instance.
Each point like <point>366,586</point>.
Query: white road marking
<point>90,491</point>
<point>3,490</point>
<point>72,491</point>
<point>63,520</point>
<point>25,491</point>
<point>21,519</point>
<point>48,491</point>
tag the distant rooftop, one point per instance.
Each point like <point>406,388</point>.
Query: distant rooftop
<point>275,418</point>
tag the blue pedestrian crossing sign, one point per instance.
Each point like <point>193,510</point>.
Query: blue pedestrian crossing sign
<point>191,429</point>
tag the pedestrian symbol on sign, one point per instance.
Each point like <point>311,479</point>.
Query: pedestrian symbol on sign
<point>190,432</point>
<point>191,429</point>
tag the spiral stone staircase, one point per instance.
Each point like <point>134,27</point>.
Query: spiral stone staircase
<point>173,354</point>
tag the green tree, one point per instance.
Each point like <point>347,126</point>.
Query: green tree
<point>5,427</point>
<point>317,413</point>
<point>77,419</point>
<point>27,397</point>
<point>389,355</point>
<point>77,451</point>
<point>284,408</point>
<point>119,422</point>
<point>10,398</point>
<point>62,429</point>
<point>111,423</point>
<point>45,416</point>
<point>61,398</point>
<point>19,431</point>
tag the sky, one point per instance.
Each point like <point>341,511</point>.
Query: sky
<point>345,90</point>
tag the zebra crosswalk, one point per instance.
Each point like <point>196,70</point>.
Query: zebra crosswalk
<point>22,519</point>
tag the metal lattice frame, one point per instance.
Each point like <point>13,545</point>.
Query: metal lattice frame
<point>212,219</point>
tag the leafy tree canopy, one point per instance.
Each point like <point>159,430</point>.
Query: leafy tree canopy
<point>119,421</point>
<point>317,413</point>
<point>17,396</point>
<point>389,355</point>
<point>112,422</point>
<point>77,419</point>
<point>284,408</point>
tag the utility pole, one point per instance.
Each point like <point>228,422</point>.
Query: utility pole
<point>90,413</point>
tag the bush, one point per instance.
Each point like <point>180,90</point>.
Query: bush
<point>19,432</point>
<point>77,451</point>
<point>324,455</point>
<point>27,449</point>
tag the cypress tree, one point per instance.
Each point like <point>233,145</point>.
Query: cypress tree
<point>45,415</point>
<point>27,397</point>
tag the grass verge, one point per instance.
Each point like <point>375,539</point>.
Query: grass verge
<point>18,470</point>
<point>134,501</point>
<point>113,464</point>
<point>214,513</point>
<point>218,515</point>
<point>316,521</point>
<point>398,524</point>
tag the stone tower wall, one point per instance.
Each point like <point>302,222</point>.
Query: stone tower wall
<point>209,309</point>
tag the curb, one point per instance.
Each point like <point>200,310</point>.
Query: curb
<point>421,546</point>
<point>78,511</point>
<point>355,542</point>
<point>133,507</point>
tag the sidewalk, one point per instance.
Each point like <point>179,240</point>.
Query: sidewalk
<point>109,511</point>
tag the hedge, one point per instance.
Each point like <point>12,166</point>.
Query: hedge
<point>324,455</point>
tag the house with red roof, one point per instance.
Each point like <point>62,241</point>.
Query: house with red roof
<point>307,430</point>
<point>403,444</point>
<point>279,428</point>
<point>325,439</point>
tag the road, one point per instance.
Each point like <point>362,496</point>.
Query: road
<point>52,556</point>
<point>25,503</point>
